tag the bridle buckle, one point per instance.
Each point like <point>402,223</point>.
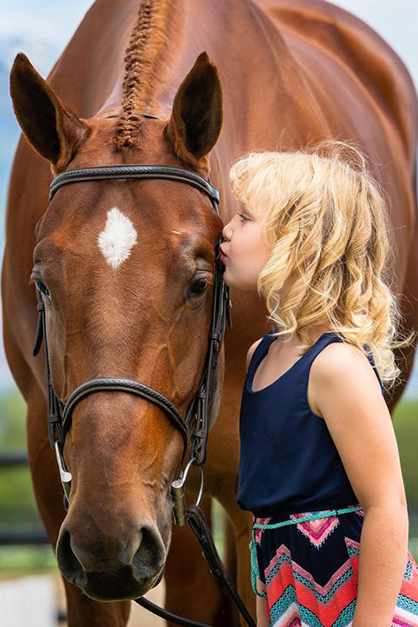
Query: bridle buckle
<point>178,493</point>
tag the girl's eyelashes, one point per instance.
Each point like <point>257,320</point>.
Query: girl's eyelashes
<point>242,216</point>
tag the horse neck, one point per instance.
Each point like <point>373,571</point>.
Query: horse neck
<point>241,40</point>
<point>249,68</point>
<point>268,102</point>
<point>259,74</point>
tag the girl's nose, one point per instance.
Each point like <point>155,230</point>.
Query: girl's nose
<point>227,231</point>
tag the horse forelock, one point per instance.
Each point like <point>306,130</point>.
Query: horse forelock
<point>143,59</point>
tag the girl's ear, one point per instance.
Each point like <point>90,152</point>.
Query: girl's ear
<point>196,118</point>
<point>51,128</point>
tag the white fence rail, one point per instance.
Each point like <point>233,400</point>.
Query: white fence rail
<point>29,601</point>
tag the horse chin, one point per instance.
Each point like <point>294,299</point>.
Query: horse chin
<point>110,586</point>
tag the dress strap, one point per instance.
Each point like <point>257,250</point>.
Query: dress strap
<point>259,352</point>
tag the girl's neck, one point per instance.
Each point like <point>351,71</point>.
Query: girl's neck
<point>315,333</point>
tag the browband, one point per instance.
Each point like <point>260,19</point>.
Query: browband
<point>136,171</point>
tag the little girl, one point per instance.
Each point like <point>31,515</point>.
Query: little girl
<point>319,466</point>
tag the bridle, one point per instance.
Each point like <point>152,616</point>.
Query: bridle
<point>194,428</point>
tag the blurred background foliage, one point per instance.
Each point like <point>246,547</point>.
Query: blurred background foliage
<point>17,503</point>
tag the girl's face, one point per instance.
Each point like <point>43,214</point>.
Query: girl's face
<point>244,251</point>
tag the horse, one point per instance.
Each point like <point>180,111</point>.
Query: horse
<point>125,267</point>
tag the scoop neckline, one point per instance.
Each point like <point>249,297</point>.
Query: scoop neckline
<point>250,378</point>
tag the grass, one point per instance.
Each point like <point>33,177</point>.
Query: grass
<point>22,560</point>
<point>405,422</point>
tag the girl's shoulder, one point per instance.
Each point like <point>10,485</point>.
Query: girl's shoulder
<point>340,356</point>
<point>341,364</point>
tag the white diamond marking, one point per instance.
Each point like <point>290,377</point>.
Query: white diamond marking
<point>117,238</point>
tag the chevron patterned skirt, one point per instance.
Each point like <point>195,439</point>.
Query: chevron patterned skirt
<point>309,571</point>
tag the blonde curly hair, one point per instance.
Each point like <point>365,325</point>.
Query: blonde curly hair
<point>326,223</point>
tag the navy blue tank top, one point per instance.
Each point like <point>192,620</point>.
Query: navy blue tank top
<point>288,460</point>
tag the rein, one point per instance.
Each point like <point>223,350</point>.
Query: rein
<point>194,428</point>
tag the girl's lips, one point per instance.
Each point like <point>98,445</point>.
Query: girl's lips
<point>222,258</point>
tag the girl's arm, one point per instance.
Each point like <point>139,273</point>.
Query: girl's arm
<point>347,393</point>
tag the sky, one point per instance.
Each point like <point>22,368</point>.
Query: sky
<point>42,28</point>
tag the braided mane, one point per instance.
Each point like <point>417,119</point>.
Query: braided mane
<point>143,59</point>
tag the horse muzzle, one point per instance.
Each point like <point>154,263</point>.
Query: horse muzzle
<point>108,569</point>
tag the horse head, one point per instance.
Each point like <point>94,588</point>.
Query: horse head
<point>124,269</point>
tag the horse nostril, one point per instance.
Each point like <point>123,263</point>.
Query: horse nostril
<point>68,563</point>
<point>150,556</point>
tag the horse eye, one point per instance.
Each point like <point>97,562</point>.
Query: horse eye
<point>41,287</point>
<point>198,287</point>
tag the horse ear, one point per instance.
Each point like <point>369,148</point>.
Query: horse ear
<point>196,118</point>
<point>52,129</point>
